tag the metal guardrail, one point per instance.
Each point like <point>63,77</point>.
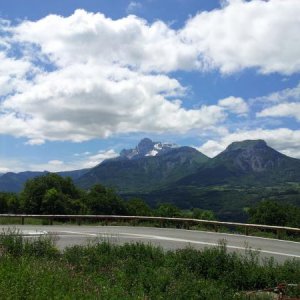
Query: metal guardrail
<point>186,222</point>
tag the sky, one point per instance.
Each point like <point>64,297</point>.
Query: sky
<point>81,80</point>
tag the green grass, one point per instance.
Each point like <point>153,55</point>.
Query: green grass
<point>35,269</point>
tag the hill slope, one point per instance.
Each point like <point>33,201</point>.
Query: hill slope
<point>14,182</point>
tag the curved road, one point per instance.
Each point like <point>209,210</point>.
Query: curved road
<point>165,237</point>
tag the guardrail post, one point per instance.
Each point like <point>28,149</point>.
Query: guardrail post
<point>22,220</point>
<point>216,228</point>
<point>187,225</point>
<point>78,221</point>
<point>246,230</point>
<point>51,221</point>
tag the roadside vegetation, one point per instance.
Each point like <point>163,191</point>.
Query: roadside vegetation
<point>53,194</point>
<point>35,269</point>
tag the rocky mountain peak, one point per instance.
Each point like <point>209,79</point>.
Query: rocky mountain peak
<point>247,145</point>
<point>147,147</point>
<point>252,155</point>
<point>144,146</point>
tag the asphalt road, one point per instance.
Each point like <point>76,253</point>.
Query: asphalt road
<point>167,238</point>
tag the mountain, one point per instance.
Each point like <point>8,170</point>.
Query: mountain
<point>14,182</point>
<point>243,174</point>
<point>164,167</point>
<point>75,174</point>
<point>147,147</point>
<point>148,166</point>
<point>250,162</point>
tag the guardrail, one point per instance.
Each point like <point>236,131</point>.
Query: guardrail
<point>186,222</point>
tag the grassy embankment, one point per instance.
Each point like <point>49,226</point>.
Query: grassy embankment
<point>35,269</point>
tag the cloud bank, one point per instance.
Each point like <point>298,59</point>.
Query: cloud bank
<point>87,76</point>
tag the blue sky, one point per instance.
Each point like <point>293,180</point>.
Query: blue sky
<point>80,80</point>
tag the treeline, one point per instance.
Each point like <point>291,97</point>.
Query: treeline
<point>270,212</point>
<point>53,194</point>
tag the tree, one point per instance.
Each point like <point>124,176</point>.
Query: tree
<point>3,203</point>
<point>273,213</point>
<point>9,203</point>
<point>49,193</point>
<point>138,207</point>
<point>203,214</point>
<point>168,210</point>
<point>101,200</point>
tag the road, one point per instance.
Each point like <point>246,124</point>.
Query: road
<point>167,238</point>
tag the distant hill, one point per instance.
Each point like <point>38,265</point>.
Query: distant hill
<point>14,182</point>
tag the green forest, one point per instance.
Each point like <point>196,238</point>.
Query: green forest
<point>53,194</point>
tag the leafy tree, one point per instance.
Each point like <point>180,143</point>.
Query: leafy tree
<point>203,214</point>
<point>168,210</point>
<point>273,213</point>
<point>101,200</point>
<point>9,203</point>
<point>53,202</point>
<point>138,207</point>
<point>49,193</point>
<point>3,202</point>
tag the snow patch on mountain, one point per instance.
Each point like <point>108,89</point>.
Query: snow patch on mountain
<point>146,147</point>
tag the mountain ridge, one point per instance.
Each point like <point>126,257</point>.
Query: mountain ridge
<point>153,165</point>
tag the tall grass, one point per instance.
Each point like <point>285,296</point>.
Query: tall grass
<point>35,269</point>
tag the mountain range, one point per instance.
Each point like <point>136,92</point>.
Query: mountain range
<point>155,165</point>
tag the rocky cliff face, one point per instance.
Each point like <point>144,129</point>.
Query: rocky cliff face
<point>252,155</point>
<point>147,147</point>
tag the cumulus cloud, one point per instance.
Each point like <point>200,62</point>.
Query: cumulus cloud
<point>251,35</point>
<point>248,34</point>
<point>88,37</point>
<point>113,76</point>
<point>282,110</point>
<point>93,160</point>
<point>284,103</point>
<point>12,74</point>
<point>234,104</point>
<point>286,95</point>
<point>79,103</point>
<point>82,161</point>
<point>284,140</point>
<point>133,6</point>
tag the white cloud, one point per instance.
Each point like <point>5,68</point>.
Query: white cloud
<point>261,34</point>
<point>284,140</point>
<point>81,102</point>
<point>87,37</point>
<point>55,162</point>
<point>12,74</point>
<point>133,6</point>
<point>86,160</point>
<point>286,95</point>
<point>234,104</point>
<point>282,110</point>
<point>246,34</point>
<point>95,159</point>
<point>110,76</point>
